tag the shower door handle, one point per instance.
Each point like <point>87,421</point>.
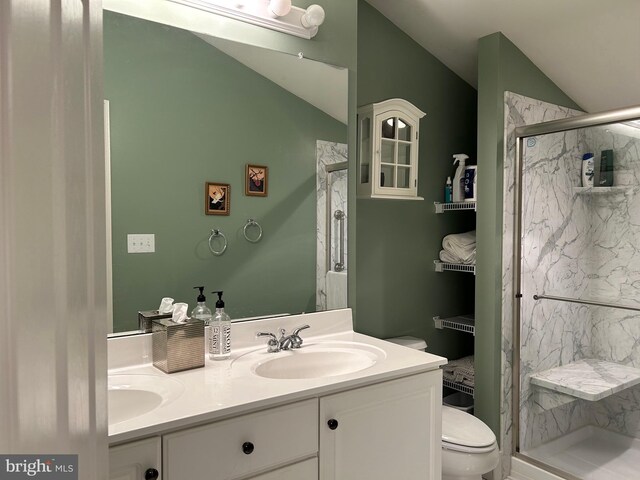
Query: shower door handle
<point>340,216</point>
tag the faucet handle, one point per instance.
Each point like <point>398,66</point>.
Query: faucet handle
<point>296,340</point>
<point>299,329</point>
<point>273,346</point>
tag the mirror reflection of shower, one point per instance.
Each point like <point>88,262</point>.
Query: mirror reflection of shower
<point>331,266</point>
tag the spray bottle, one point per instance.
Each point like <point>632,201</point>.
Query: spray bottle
<point>458,179</point>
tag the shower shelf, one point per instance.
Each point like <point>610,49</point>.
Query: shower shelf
<point>459,387</point>
<point>448,207</point>
<point>454,267</point>
<point>589,379</point>
<point>462,323</point>
<point>603,190</point>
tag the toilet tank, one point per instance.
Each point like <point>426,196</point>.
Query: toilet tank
<point>411,342</point>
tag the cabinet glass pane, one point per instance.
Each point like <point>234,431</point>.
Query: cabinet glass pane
<point>386,176</point>
<point>387,152</point>
<point>403,177</point>
<point>389,128</point>
<point>404,153</point>
<point>404,130</point>
<point>365,149</point>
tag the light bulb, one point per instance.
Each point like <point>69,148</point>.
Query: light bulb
<point>313,17</point>
<point>279,8</point>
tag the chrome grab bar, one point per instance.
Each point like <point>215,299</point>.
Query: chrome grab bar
<point>585,302</point>
<point>340,216</point>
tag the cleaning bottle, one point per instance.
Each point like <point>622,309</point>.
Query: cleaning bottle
<point>220,342</point>
<point>458,179</point>
<point>201,312</point>
<point>448,191</point>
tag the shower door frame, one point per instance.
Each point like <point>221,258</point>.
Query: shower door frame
<point>521,134</point>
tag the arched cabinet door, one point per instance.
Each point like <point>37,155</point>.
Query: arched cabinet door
<point>388,135</point>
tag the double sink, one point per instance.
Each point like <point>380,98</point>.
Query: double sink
<point>133,395</point>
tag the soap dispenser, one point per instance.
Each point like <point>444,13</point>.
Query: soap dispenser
<point>220,340</point>
<point>458,179</point>
<point>201,312</point>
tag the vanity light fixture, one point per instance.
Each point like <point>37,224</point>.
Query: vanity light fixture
<point>277,15</point>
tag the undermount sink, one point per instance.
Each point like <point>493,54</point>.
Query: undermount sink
<point>322,359</point>
<point>130,396</point>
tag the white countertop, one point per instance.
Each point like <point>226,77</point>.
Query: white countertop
<point>227,388</point>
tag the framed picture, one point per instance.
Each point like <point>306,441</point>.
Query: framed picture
<point>217,198</point>
<point>256,180</point>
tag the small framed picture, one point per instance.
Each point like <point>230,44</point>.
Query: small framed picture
<point>256,180</point>
<point>217,198</point>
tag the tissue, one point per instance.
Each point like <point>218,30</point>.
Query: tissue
<point>180,313</point>
<point>166,305</point>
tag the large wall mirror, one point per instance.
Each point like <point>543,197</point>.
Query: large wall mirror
<point>184,109</point>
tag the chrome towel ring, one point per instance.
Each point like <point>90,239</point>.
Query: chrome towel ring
<point>214,234</point>
<point>252,223</point>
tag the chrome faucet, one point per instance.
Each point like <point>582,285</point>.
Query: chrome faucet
<point>285,342</point>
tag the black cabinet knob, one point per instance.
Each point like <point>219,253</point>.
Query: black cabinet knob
<point>151,474</point>
<point>333,424</point>
<point>247,448</point>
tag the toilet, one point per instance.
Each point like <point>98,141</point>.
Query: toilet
<point>469,447</point>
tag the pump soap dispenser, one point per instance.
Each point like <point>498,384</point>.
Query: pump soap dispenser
<point>201,312</point>
<point>220,340</point>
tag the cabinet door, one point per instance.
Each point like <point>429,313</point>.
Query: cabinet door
<point>384,431</point>
<point>307,470</point>
<point>132,460</point>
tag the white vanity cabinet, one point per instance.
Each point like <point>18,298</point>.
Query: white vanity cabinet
<point>383,431</point>
<point>136,460</point>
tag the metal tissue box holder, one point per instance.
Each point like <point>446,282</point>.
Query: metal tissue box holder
<point>177,346</point>
<point>145,318</point>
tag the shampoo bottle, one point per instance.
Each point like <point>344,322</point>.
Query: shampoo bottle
<point>587,170</point>
<point>220,342</point>
<point>458,179</point>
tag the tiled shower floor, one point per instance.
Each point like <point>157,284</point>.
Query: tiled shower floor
<point>592,453</point>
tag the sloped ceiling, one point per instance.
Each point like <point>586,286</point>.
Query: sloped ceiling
<point>323,86</point>
<point>589,48</point>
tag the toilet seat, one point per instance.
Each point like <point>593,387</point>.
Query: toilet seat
<point>465,449</point>
<point>463,432</point>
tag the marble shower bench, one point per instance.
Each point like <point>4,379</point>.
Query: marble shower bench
<point>588,379</point>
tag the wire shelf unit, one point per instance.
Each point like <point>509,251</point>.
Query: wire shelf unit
<point>461,323</point>
<point>459,387</point>
<point>454,267</point>
<point>447,207</point>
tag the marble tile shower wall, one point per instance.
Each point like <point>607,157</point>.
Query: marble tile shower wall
<point>556,244</point>
<point>576,245</point>
<point>519,110</point>
<point>615,272</point>
<point>328,153</point>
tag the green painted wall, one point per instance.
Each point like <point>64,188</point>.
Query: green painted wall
<point>501,67</point>
<point>183,113</point>
<point>398,290</point>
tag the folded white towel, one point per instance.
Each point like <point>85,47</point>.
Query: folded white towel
<point>448,257</point>
<point>461,246</point>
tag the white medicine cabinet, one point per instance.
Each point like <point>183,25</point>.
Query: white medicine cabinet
<point>388,134</point>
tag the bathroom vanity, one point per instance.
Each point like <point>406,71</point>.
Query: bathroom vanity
<point>344,406</point>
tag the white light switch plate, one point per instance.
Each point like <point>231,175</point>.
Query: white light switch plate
<point>141,243</point>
